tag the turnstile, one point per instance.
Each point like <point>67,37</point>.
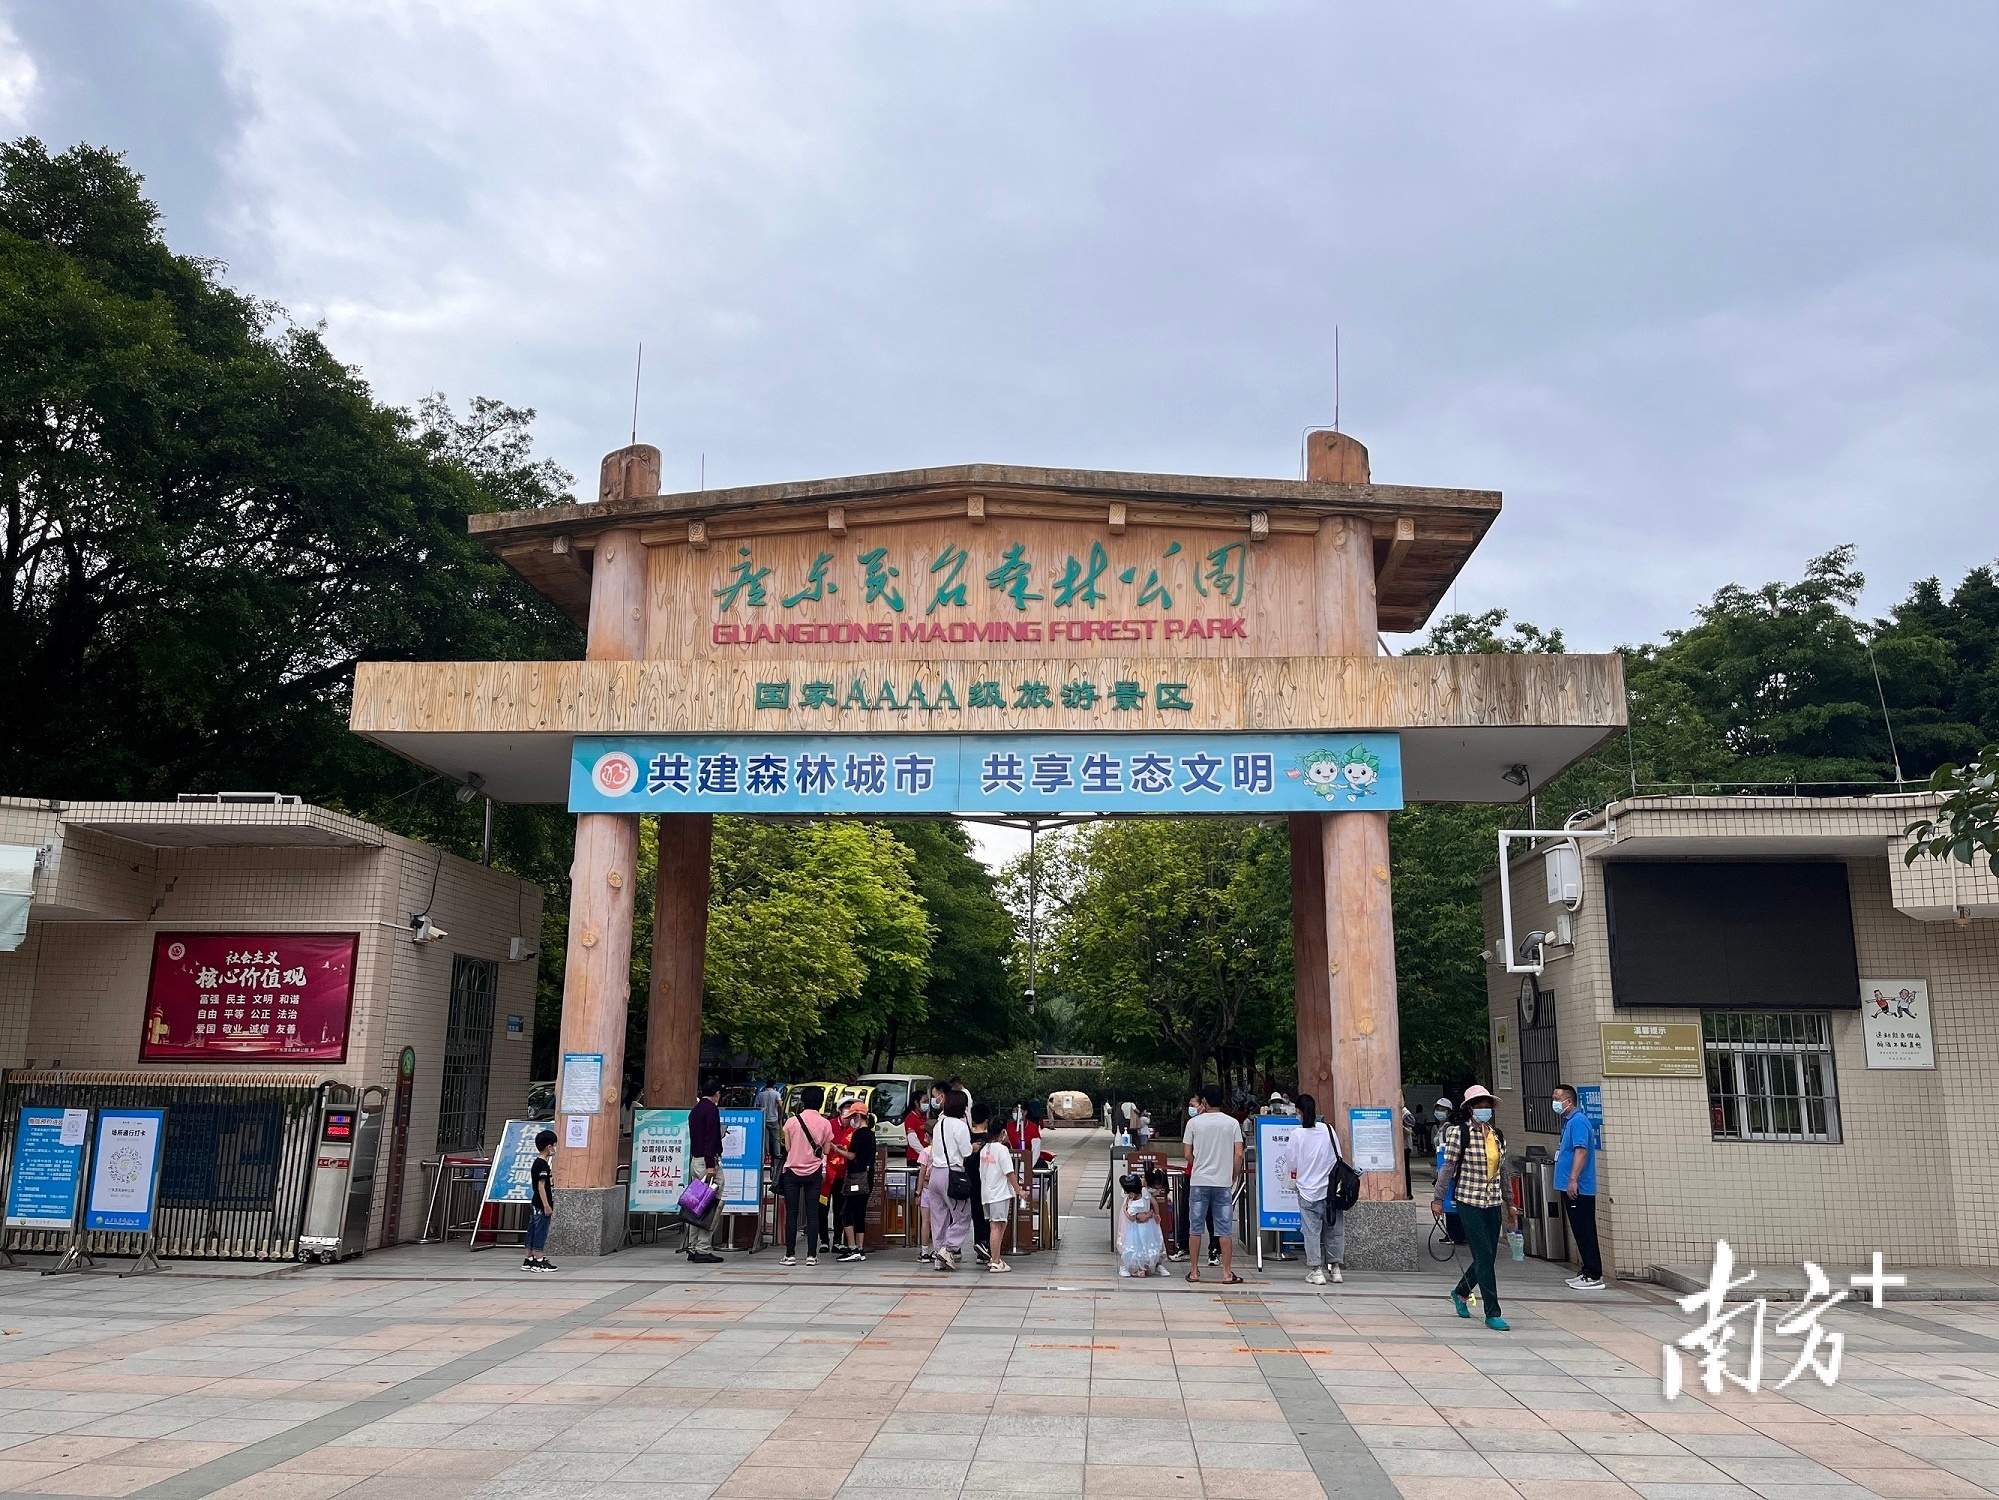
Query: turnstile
<point>345,1147</point>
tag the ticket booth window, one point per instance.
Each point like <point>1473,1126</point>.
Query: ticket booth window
<point>1770,1076</point>
<point>468,1054</point>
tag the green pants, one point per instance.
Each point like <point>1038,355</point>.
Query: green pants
<point>1482,1234</point>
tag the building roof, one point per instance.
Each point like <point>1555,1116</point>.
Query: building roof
<point>1414,566</point>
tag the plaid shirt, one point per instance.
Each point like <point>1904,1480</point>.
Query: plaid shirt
<point>1473,1175</point>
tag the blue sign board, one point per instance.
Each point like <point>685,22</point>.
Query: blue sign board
<point>1589,1099</point>
<point>1276,1187</point>
<point>511,1179</point>
<point>125,1170</point>
<point>742,1160</point>
<point>1045,774</point>
<point>47,1174</point>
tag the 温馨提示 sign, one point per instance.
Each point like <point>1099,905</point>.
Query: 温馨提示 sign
<point>1043,774</point>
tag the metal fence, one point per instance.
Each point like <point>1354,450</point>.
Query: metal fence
<point>235,1167</point>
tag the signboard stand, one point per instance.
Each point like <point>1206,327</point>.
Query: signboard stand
<point>510,1180</point>
<point>74,1256</point>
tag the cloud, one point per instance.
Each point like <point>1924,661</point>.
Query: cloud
<point>17,79</point>
<point>1703,288</point>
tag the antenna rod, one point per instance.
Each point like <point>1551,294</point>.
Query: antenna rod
<point>1888,723</point>
<point>636,373</point>
<point>1336,379</point>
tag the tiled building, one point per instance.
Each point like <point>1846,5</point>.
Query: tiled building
<point>118,887</point>
<point>1831,1096</point>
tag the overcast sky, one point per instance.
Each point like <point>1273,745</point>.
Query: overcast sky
<point>1705,289</point>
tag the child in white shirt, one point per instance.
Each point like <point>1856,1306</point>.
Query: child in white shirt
<point>996,1189</point>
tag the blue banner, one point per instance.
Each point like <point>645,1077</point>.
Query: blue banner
<point>1006,775</point>
<point>125,1170</point>
<point>47,1172</point>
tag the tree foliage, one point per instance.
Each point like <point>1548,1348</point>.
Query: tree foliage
<point>817,941</point>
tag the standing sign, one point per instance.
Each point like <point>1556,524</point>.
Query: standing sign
<point>399,1147</point>
<point>511,1177</point>
<point>125,1170</point>
<point>1276,1188</point>
<point>1372,1132</point>
<point>1665,1049</point>
<point>1895,1018</point>
<point>239,997</point>
<point>742,1161</point>
<point>659,1160</point>
<point>48,1168</point>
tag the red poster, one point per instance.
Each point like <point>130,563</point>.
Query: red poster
<point>242,996</point>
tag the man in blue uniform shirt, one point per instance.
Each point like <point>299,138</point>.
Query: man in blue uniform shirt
<point>1575,1177</point>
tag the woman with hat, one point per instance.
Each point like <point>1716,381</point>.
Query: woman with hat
<point>1473,1172</point>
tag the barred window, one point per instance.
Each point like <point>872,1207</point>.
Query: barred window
<point>1770,1076</point>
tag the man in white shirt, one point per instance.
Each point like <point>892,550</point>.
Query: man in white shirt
<point>1214,1166</point>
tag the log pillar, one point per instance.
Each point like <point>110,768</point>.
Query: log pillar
<point>679,955</point>
<point>1343,926</point>
<point>596,981</point>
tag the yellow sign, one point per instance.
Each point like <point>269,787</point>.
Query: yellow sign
<point>1665,1049</point>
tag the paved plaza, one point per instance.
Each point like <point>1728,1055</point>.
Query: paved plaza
<point>432,1374</point>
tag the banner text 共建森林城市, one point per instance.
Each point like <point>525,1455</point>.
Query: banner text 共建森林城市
<point>1031,774</point>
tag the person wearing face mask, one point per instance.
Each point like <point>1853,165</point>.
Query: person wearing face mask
<point>1575,1176</point>
<point>1474,1171</point>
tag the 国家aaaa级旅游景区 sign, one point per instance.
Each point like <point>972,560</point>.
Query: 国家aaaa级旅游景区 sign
<point>1000,642</point>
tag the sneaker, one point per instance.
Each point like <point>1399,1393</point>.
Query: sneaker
<point>946,1261</point>
<point>852,1255</point>
<point>1463,1307</point>
<point>1495,1321</point>
<point>705,1258</point>
<point>546,1264</point>
<point>528,1265</point>
<point>812,1260</point>
<point>1315,1277</point>
<point>1587,1283</point>
<point>982,1252</point>
<point>1335,1275</point>
<point>789,1260</point>
<point>927,1254</point>
<point>1177,1255</point>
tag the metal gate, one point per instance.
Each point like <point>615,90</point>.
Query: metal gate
<point>235,1166</point>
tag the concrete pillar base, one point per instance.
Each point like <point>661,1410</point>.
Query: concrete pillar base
<point>588,1221</point>
<point>1385,1235</point>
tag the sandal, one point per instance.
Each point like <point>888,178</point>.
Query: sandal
<point>998,1266</point>
<point>1233,1280</point>
<point>1194,1275</point>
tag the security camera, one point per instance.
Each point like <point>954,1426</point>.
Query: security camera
<point>1530,946</point>
<point>474,785</point>
<point>423,930</point>
<point>1485,955</point>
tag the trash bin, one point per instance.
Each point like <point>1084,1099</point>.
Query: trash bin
<point>1541,1207</point>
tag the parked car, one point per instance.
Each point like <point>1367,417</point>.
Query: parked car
<point>541,1100</point>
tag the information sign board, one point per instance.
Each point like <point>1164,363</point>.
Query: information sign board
<point>742,1160</point>
<point>659,1160</point>
<point>125,1170</point>
<point>582,1083</point>
<point>1589,1099</point>
<point>1895,1020</point>
<point>47,1170</point>
<point>511,1177</point>
<point>1062,774</point>
<point>239,997</point>
<point>1372,1132</point>
<point>1662,1049</point>
<point>1276,1188</point>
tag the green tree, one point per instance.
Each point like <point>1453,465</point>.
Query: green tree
<point>971,1003</point>
<point>816,941</point>
<point>1167,933</point>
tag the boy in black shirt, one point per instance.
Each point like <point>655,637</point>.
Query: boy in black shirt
<point>541,1206</point>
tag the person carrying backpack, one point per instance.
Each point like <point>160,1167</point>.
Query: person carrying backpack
<point>1474,1169</point>
<point>1327,1188</point>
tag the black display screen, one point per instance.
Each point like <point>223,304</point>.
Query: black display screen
<point>1735,936</point>
<point>339,1126</point>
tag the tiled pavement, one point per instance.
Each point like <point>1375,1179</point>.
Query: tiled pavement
<point>449,1380</point>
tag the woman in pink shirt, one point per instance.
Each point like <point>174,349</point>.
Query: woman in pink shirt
<point>806,1136</point>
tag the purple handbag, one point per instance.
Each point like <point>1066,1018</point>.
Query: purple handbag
<point>696,1199</point>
